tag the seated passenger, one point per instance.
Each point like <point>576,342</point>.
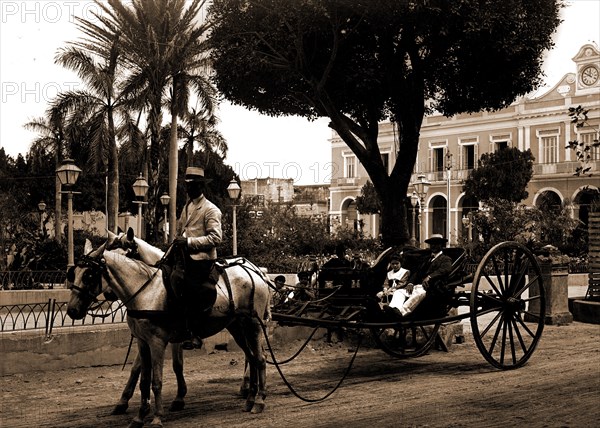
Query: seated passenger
<point>282,290</point>
<point>304,289</point>
<point>436,269</point>
<point>397,278</point>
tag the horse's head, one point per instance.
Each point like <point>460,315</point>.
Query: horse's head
<point>135,248</point>
<point>124,241</point>
<point>85,280</point>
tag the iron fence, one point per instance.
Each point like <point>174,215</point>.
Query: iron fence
<point>31,279</point>
<point>53,314</point>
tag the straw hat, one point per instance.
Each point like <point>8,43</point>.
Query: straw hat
<point>436,238</point>
<point>193,173</point>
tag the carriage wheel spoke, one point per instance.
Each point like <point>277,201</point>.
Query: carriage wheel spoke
<point>524,347</point>
<point>498,274</point>
<point>528,285</point>
<point>518,274</point>
<point>522,323</point>
<point>507,259</point>
<point>512,339</point>
<point>491,283</point>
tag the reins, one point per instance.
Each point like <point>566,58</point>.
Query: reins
<point>86,262</point>
<point>287,383</point>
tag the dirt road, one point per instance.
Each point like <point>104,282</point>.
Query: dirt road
<point>559,387</point>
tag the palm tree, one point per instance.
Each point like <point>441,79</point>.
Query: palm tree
<point>189,63</point>
<point>199,127</point>
<point>160,44</point>
<point>100,101</point>
<point>51,140</point>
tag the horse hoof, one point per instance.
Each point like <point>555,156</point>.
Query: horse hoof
<point>248,407</point>
<point>258,408</point>
<point>136,424</point>
<point>120,409</point>
<point>177,406</point>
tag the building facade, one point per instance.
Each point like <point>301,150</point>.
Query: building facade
<point>449,147</point>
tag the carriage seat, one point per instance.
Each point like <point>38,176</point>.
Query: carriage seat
<point>457,276</point>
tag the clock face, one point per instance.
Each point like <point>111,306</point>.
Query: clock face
<point>589,75</point>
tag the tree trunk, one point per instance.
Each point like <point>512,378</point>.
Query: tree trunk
<point>173,168</point>
<point>394,227</point>
<point>113,179</point>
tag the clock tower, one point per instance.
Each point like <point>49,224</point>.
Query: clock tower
<point>587,61</point>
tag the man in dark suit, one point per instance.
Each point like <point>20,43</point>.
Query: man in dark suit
<point>435,269</point>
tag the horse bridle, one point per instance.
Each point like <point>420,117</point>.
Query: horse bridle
<point>96,268</point>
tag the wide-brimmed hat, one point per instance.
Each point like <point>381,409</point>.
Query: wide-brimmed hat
<point>436,238</point>
<point>193,173</point>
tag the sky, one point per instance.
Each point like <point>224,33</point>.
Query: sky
<point>31,32</point>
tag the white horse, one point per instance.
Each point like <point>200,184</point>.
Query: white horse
<point>243,297</point>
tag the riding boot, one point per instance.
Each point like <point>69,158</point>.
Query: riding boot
<point>181,331</point>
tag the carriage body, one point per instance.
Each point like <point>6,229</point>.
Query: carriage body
<point>506,292</point>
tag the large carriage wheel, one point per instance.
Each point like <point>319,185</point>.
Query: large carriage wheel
<point>406,341</point>
<point>508,305</point>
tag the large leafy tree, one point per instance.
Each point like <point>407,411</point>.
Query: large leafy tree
<point>359,63</point>
<point>501,175</point>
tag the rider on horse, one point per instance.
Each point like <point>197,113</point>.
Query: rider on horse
<point>198,234</point>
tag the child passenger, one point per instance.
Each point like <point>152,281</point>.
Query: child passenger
<point>396,280</point>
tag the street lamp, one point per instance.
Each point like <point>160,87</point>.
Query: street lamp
<point>421,187</point>
<point>414,200</point>
<point>164,200</point>
<point>234,190</point>
<point>68,173</point>
<point>140,188</point>
<point>468,224</point>
<point>41,209</point>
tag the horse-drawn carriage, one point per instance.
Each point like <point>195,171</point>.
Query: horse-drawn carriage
<point>504,301</point>
<point>506,308</point>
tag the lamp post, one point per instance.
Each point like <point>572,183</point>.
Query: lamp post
<point>421,187</point>
<point>448,176</point>
<point>140,188</point>
<point>234,190</point>
<point>68,173</point>
<point>414,200</point>
<point>41,209</point>
<point>468,221</point>
<point>164,200</point>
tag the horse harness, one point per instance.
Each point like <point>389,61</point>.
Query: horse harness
<point>96,269</point>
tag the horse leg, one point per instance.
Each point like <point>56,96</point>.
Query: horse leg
<point>247,334</point>
<point>157,350</point>
<point>245,387</point>
<point>127,393</point>
<point>259,362</point>
<point>177,356</point>
<point>237,332</point>
<point>145,379</point>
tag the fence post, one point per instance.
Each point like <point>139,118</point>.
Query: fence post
<point>50,317</point>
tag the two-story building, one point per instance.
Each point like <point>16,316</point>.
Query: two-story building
<point>308,200</point>
<point>449,147</point>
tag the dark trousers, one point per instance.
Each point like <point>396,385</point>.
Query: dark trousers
<point>192,284</point>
